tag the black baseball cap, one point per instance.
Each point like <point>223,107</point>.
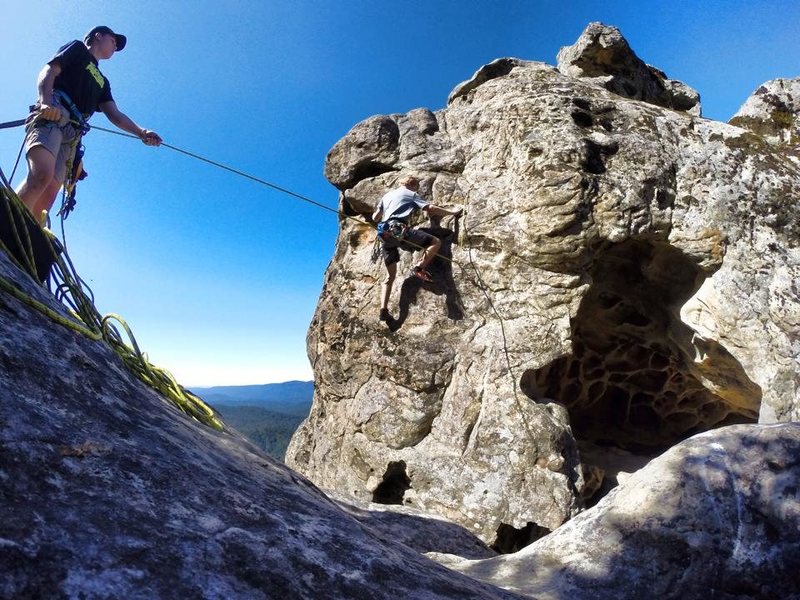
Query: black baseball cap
<point>121,39</point>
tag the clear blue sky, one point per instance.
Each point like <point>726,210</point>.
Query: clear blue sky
<point>219,276</point>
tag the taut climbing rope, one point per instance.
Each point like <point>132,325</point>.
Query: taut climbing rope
<point>479,281</point>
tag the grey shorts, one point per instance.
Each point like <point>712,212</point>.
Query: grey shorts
<point>413,240</point>
<point>60,140</point>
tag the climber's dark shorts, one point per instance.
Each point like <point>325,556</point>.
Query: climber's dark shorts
<point>413,240</point>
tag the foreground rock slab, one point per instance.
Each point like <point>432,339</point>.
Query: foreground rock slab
<point>107,491</point>
<point>717,516</point>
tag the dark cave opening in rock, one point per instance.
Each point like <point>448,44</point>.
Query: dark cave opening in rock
<point>394,484</point>
<point>510,539</point>
<point>639,380</point>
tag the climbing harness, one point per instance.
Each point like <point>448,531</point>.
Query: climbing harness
<point>392,229</point>
<point>74,167</point>
<point>78,119</point>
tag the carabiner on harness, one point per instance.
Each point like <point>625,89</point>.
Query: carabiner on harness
<point>393,228</point>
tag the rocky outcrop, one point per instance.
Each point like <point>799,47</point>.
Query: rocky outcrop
<point>773,112</point>
<point>108,491</point>
<point>717,516</point>
<point>496,68</point>
<point>624,277</point>
<point>602,54</point>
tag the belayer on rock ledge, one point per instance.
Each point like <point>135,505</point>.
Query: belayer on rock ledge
<point>70,89</point>
<point>392,214</point>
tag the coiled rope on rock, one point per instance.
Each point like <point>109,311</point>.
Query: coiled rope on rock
<point>86,320</point>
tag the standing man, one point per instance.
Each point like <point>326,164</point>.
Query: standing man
<point>392,215</point>
<point>71,88</point>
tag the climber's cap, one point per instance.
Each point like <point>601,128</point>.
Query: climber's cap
<point>104,30</point>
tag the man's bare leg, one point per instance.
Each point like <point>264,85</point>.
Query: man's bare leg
<point>386,288</point>
<point>38,190</point>
<point>47,199</point>
<point>430,253</point>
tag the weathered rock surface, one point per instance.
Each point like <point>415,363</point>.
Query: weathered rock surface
<point>601,53</point>
<point>717,516</point>
<point>414,528</point>
<point>773,112</point>
<point>644,262</point>
<point>109,492</point>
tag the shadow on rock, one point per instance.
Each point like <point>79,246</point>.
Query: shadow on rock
<point>421,533</point>
<point>443,283</point>
<point>715,516</point>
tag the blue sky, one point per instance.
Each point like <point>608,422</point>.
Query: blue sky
<point>218,276</point>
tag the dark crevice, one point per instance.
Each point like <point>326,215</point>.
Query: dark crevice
<point>582,103</point>
<point>368,170</point>
<point>582,118</point>
<point>510,539</point>
<point>631,384</point>
<point>595,157</point>
<point>394,484</point>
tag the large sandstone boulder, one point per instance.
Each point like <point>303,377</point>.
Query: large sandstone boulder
<point>108,491</point>
<point>717,516</point>
<point>624,277</point>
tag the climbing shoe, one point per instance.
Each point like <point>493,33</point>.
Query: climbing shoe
<point>421,273</point>
<point>385,316</point>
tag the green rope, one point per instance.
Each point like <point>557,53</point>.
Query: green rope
<point>88,321</point>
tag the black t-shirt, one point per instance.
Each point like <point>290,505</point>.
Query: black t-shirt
<point>80,78</point>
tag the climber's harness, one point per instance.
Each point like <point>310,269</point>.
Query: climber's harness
<point>392,229</point>
<point>389,231</point>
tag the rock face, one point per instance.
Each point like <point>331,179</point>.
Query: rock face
<point>773,111</point>
<point>602,54</point>
<point>108,491</point>
<point>624,277</point>
<point>717,516</point>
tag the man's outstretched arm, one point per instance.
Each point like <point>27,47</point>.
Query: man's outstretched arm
<point>124,122</point>
<point>438,211</point>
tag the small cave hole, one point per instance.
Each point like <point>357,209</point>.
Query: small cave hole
<point>394,484</point>
<point>510,539</point>
<point>582,103</point>
<point>582,118</point>
<point>593,160</point>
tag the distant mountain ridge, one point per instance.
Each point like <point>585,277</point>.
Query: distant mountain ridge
<point>289,397</point>
<point>266,414</point>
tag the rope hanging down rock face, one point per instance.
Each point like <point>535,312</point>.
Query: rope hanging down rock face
<point>87,320</point>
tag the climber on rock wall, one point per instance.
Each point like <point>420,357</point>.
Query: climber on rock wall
<point>392,214</point>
